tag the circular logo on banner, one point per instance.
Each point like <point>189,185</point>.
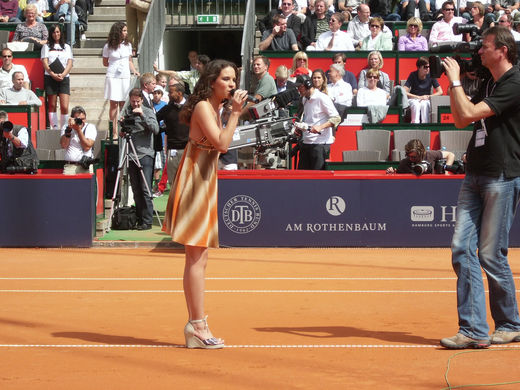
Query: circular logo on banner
<point>335,205</point>
<point>241,214</point>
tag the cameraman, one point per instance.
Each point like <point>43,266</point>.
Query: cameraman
<point>78,138</point>
<point>16,148</point>
<point>488,197</point>
<point>141,123</point>
<point>416,153</point>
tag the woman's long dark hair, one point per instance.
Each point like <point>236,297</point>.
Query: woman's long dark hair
<point>115,35</point>
<point>203,90</point>
<point>51,42</point>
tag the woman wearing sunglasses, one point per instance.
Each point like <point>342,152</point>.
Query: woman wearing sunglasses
<point>413,40</point>
<point>377,39</point>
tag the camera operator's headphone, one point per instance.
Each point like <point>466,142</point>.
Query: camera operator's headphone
<point>304,80</point>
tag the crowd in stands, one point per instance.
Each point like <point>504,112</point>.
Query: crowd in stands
<point>30,16</point>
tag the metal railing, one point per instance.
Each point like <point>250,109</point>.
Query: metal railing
<point>248,44</point>
<point>183,13</point>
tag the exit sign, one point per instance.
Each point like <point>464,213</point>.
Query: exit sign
<point>207,19</point>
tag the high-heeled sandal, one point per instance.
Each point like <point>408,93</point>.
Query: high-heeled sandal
<point>193,341</point>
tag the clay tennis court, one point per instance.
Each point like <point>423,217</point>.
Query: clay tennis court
<point>106,318</point>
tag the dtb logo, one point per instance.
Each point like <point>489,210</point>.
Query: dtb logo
<point>241,214</point>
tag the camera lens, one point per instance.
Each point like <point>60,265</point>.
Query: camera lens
<point>78,121</point>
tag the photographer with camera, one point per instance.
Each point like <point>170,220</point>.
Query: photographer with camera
<point>17,154</point>
<point>419,160</point>
<point>489,195</point>
<point>77,138</point>
<point>141,124</point>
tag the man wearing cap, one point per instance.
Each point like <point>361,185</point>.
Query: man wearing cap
<point>321,117</point>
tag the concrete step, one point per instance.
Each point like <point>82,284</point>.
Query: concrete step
<point>109,18</point>
<point>89,62</point>
<point>108,3</point>
<point>107,10</point>
<point>87,52</point>
<point>97,27</point>
<point>93,43</point>
<point>88,70</point>
<point>87,81</point>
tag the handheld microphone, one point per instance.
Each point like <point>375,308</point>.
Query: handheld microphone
<point>250,98</point>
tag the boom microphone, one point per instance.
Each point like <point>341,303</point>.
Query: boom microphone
<point>250,98</point>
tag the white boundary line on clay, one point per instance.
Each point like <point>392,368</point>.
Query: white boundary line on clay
<point>238,291</point>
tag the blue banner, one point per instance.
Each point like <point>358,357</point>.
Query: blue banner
<point>340,213</point>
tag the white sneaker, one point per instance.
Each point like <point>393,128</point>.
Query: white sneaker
<point>83,37</point>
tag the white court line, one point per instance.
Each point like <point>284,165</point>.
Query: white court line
<point>241,291</point>
<point>227,278</point>
<point>281,346</point>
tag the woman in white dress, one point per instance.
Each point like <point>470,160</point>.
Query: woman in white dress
<point>57,60</point>
<point>117,56</point>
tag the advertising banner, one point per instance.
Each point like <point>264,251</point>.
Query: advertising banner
<point>339,213</point>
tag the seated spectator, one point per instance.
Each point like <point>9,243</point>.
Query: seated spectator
<point>319,81</point>
<point>348,8</point>
<point>8,68</point>
<point>506,20</point>
<point>281,77</point>
<point>416,8</point>
<point>17,94</point>
<point>42,7</point>
<point>341,59</point>
<point>502,7</point>
<point>31,31</point>
<point>66,12</point>
<point>413,40</point>
<point>358,28</point>
<point>334,39</point>
<point>479,17</point>
<point>339,91</point>
<point>371,95</point>
<point>316,24</point>
<point>188,76</point>
<point>279,38</point>
<point>9,11</point>
<point>415,153</point>
<point>418,88</point>
<point>377,40</point>
<point>78,140</point>
<point>300,60</point>
<point>375,61</point>
<point>266,87</point>
<point>442,31</point>
<point>287,9</point>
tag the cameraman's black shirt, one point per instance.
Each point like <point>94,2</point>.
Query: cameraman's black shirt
<point>501,150</point>
<point>405,165</point>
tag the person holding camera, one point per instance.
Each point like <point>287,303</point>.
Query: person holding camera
<point>16,148</point>
<point>416,153</point>
<point>321,117</point>
<point>488,196</point>
<point>140,122</point>
<point>77,138</point>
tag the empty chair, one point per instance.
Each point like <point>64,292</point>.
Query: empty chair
<point>48,139</point>
<point>401,138</point>
<point>455,141</point>
<point>438,101</point>
<point>374,140</point>
<point>361,155</point>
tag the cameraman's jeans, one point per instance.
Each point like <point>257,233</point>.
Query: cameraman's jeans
<point>485,213</point>
<point>143,199</point>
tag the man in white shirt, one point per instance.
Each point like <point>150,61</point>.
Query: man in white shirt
<point>334,39</point>
<point>339,91</point>
<point>506,20</point>
<point>17,94</point>
<point>359,27</point>
<point>322,117</point>
<point>78,139</point>
<point>442,31</point>
<point>8,68</point>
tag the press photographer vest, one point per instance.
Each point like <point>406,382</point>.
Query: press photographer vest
<point>28,155</point>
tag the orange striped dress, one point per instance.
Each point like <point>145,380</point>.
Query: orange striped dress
<point>191,214</point>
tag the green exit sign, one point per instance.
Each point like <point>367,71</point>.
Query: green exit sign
<point>207,19</point>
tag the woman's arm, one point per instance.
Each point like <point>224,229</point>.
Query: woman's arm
<point>204,118</point>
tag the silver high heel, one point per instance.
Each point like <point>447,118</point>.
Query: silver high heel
<point>193,341</point>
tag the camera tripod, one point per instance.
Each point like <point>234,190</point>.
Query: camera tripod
<point>128,154</point>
